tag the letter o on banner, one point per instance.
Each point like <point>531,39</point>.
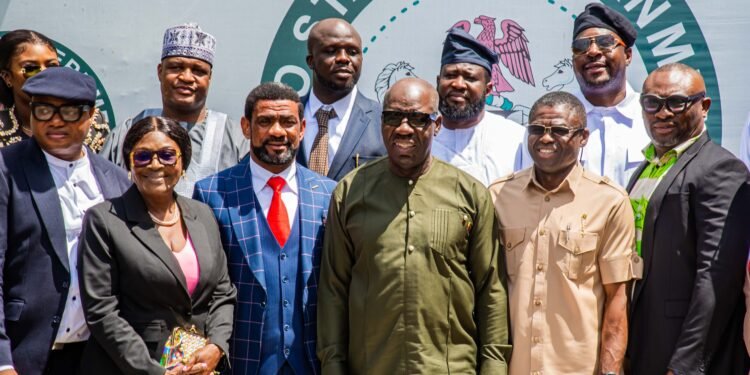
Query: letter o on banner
<point>297,71</point>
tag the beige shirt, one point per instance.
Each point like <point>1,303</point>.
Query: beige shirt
<point>561,247</point>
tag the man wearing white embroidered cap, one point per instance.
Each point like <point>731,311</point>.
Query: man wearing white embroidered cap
<point>185,75</point>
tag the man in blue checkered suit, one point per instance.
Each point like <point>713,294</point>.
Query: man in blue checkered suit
<point>271,213</point>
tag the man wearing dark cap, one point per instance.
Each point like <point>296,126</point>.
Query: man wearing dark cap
<point>185,74</point>
<point>46,184</point>
<point>602,41</point>
<point>482,144</point>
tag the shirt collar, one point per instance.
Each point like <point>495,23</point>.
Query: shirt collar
<point>629,107</point>
<point>261,175</point>
<point>570,183</point>
<point>650,151</point>
<point>68,166</point>
<point>341,106</point>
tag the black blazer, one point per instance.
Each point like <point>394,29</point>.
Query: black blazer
<point>34,252</point>
<point>362,141</point>
<point>687,312</point>
<point>134,292</point>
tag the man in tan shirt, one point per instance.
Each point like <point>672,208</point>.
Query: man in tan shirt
<point>569,251</point>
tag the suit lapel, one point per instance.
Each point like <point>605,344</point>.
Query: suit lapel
<point>358,122</point>
<point>108,184</point>
<point>44,194</point>
<point>635,175</point>
<point>306,183</point>
<point>654,205</point>
<point>244,220</point>
<point>199,237</point>
<point>301,150</point>
<point>145,231</point>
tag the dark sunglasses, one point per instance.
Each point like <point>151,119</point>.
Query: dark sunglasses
<point>68,112</point>
<point>675,103</point>
<point>142,158</point>
<point>414,119</point>
<point>559,131</point>
<point>605,42</point>
<point>30,70</point>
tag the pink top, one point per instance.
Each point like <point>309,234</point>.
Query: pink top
<point>189,264</point>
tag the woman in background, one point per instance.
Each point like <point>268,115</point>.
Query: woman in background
<point>23,54</point>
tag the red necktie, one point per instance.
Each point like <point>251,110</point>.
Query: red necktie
<point>278,218</point>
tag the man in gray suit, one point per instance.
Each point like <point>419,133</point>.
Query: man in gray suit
<point>343,126</point>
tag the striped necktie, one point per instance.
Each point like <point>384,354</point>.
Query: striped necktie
<point>319,154</point>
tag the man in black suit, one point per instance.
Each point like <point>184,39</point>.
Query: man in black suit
<point>46,184</point>
<point>691,210</point>
<point>343,126</point>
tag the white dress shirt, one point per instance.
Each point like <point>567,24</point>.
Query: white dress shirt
<point>264,193</point>
<point>490,150</point>
<point>617,136</point>
<point>78,191</point>
<point>336,125</point>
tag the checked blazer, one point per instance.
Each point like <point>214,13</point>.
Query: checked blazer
<point>231,196</point>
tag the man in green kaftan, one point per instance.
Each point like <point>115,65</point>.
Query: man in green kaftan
<point>410,277</point>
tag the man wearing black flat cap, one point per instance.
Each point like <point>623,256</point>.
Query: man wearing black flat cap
<point>46,184</point>
<point>602,41</point>
<point>485,145</point>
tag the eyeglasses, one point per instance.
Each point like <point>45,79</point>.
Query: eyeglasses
<point>30,70</point>
<point>605,42</point>
<point>68,112</point>
<point>559,131</point>
<point>414,119</point>
<point>675,103</point>
<point>142,158</point>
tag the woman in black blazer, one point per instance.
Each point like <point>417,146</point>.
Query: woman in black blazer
<point>151,260</point>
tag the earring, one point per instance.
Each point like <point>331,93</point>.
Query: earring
<point>183,173</point>
<point>130,176</point>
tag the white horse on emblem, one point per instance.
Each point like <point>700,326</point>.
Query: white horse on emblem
<point>390,74</point>
<point>562,75</point>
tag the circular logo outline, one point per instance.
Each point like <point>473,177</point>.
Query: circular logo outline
<point>664,30</point>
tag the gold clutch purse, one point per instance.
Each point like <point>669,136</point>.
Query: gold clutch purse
<point>180,347</point>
